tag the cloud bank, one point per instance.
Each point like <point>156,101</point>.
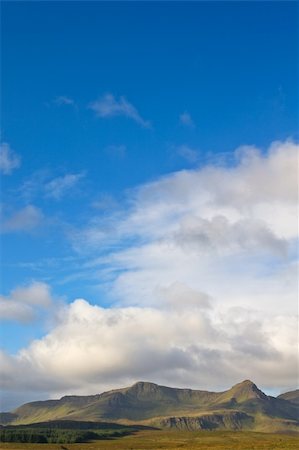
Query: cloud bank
<point>92,349</point>
<point>200,268</point>
<point>228,231</point>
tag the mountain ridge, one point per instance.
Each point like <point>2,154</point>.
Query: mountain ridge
<point>291,396</point>
<point>244,406</point>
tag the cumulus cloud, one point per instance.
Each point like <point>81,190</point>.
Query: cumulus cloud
<point>36,293</point>
<point>197,234</point>
<point>60,186</point>
<point>25,219</point>
<point>110,106</point>
<point>186,119</point>
<point>9,160</point>
<point>12,310</point>
<point>179,296</point>
<point>92,349</point>
<point>200,269</point>
<point>23,301</point>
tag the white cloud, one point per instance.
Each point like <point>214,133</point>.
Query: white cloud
<point>188,153</point>
<point>9,160</point>
<point>110,106</point>
<point>250,189</point>
<point>60,186</point>
<point>92,349</point>
<point>26,219</point>
<point>200,268</point>
<point>228,231</point>
<point>43,183</point>
<point>22,303</point>
<point>218,234</point>
<point>186,119</point>
<point>12,310</point>
<point>36,293</point>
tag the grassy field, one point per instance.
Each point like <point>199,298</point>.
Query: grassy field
<point>172,440</point>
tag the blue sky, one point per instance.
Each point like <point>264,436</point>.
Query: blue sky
<point>111,108</point>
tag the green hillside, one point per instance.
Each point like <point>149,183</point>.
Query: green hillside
<point>244,406</point>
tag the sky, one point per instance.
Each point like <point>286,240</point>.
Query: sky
<point>149,206</point>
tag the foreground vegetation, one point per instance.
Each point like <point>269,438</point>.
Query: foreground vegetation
<point>177,440</point>
<point>64,432</point>
<point>52,436</point>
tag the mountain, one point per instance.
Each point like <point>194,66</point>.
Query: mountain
<point>292,396</point>
<point>244,406</point>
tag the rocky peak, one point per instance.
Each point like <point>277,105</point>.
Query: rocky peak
<point>246,390</point>
<point>143,387</point>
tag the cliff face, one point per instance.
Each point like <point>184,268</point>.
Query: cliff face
<point>230,420</point>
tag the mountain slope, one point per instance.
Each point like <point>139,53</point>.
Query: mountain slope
<point>292,396</point>
<point>244,406</point>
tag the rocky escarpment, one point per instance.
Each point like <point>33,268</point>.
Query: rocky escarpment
<point>232,420</point>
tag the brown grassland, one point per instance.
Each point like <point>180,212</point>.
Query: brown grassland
<point>172,440</point>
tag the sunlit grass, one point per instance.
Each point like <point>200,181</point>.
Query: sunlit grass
<point>171,440</point>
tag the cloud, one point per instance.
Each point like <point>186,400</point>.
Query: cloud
<point>26,219</point>
<point>9,160</point>
<point>180,296</point>
<point>43,184</point>
<point>23,301</point>
<point>60,186</point>
<point>64,100</point>
<point>35,294</point>
<point>228,231</point>
<point>198,234</point>
<point>188,153</point>
<point>186,119</point>
<point>12,310</point>
<point>105,201</point>
<point>110,106</point>
<point>92,349</point>
<point>199,269</point>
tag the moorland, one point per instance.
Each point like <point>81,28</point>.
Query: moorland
<point>148,416</point>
